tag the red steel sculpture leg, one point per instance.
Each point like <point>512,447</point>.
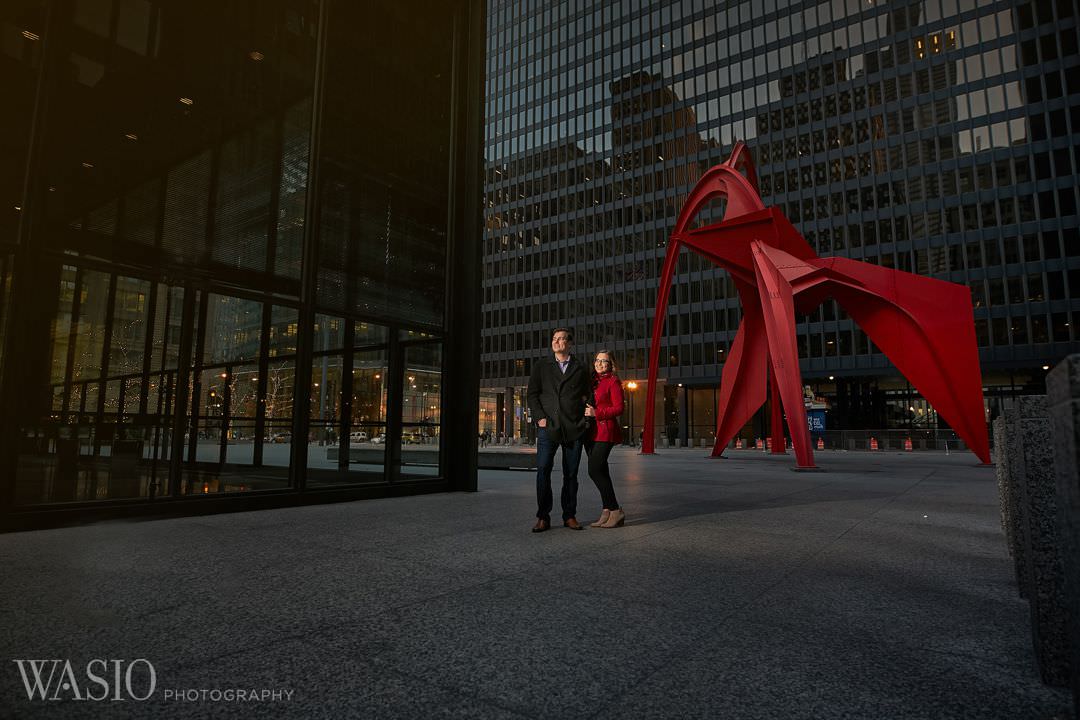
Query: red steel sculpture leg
<point>742,198</point>
<point>778,309</point>
<point>924,326</point>
<point>742,383</point>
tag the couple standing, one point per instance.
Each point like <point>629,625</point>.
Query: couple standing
<point>575,408</point>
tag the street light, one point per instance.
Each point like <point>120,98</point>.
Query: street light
<point>632,386</point>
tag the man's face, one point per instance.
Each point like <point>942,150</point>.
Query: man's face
<point>561,343</point>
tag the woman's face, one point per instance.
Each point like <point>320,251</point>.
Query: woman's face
<point>602,363</point>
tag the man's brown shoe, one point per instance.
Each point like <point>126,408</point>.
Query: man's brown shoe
<point>573,524</point>
<point>541,525</point>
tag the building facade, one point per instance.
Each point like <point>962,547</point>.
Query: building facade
<point>940,137</point>
<point>239,253</point>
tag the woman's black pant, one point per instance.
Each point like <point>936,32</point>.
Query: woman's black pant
<point>598,470</point>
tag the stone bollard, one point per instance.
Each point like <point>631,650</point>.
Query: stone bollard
<point>1063,404</point>
<point>1038,525</point>
<point>1009,468</point>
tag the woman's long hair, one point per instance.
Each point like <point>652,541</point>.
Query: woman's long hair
<point>614,367</point>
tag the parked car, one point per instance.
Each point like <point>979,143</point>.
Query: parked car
<point>378,440</point>
<point>281,438</point>
<point>358,437</point>
<point>411,438</point>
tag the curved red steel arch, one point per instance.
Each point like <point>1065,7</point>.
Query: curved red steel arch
<point>924,326</point>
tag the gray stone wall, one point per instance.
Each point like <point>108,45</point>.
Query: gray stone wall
<point>1009,469</point>
<point>1030,487</point>
<point>1063,401</point>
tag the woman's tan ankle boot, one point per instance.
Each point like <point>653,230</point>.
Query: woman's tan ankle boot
<point>615,519</point>
<point>603,519</point>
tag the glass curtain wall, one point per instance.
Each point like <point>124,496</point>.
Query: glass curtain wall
<point>932,136</point>
<point>383,236</point>
<point>195,317</point>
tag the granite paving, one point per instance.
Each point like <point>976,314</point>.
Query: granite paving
<point>880,588</point>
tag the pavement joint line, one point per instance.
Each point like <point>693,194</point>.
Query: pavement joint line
<point>805,561</point>
<point>890,499</point>
<point>801,565</point>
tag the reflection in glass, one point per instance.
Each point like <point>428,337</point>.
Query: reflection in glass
<point>169,218</point>
<point>421,410</point>
<point>354,452</point>
<point>383,224</point>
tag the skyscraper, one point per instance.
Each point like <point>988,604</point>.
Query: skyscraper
<point>935,137</point>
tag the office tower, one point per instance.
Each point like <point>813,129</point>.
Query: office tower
<point>934,137</point>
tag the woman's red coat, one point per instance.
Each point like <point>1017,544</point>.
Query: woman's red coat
<point>609,405</point>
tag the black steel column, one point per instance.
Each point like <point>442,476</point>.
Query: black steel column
<point>183,382</point>
<point>26,392</point>
<point>309,273</point>
<point>29,327</point>
<point>395,392</point>
<point>461,358</point>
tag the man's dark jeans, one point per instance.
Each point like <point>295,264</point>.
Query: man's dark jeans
<point>545,461</point>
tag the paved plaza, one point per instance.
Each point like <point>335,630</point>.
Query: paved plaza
<point>880,588</point>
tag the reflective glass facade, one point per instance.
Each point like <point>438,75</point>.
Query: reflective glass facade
<point>937,137</point>
<point>232,244</point>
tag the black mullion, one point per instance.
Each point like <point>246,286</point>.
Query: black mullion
<point>275,180</point>
<point>5,282</point>
<point>196,384</point>
<point>120,399</point>
<point>103,383</point>
<point>260,393</point>
<point>345,422</point>
<point>226,409</point>
<point>211,202</point>
<point>165,381</point>
<point>148,347</point>
<point>248,284</point>
<point>437,333</point>
<point>370,348</point>
<point>163,370</point>
<point>183,382</point>
<point>394,390</point>
<point>73,334</point>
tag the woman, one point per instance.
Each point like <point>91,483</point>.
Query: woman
<point>604,435</point>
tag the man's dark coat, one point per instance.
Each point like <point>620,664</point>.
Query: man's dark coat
<point>560,398</point>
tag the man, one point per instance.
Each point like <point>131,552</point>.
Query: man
<point>559,388</point>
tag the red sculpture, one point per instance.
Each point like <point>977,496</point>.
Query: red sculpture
<point>924,326</point>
